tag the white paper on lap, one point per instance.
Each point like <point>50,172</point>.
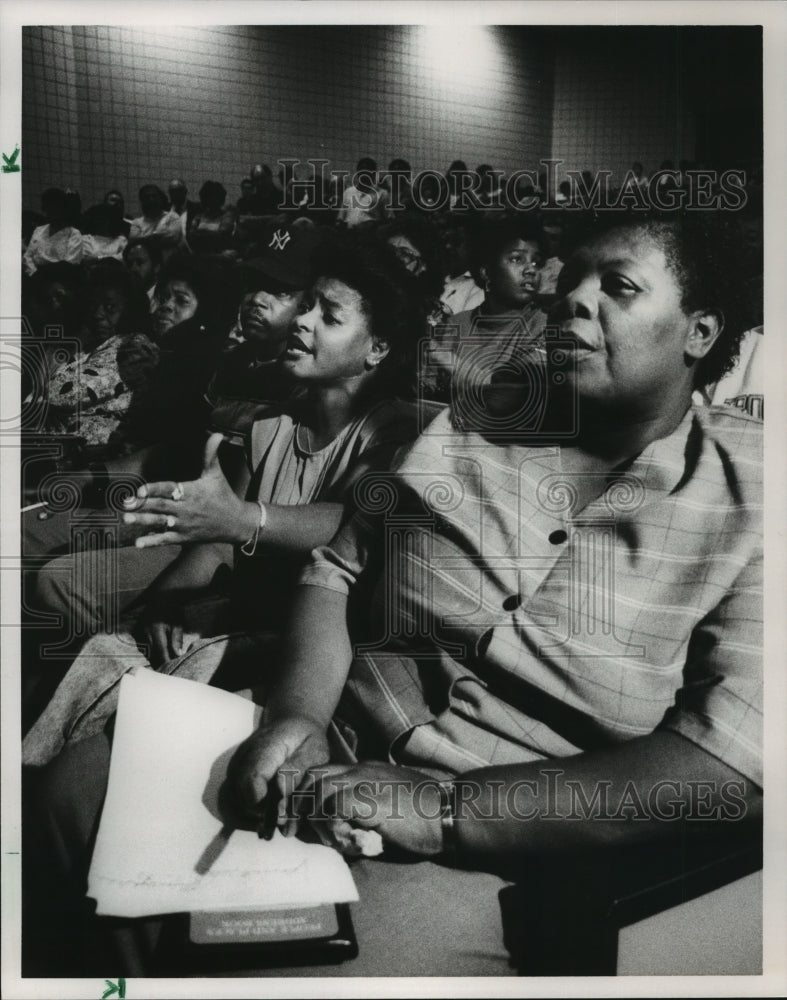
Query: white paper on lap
<point>173,740</point>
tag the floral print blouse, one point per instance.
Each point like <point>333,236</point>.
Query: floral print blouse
<point>89,395</point>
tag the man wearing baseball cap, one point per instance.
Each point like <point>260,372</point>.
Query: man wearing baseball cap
<point>274,281</point>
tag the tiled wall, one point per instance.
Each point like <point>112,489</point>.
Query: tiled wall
<point>50,140</point>
<point>121,106</point>
<point>617,100</point>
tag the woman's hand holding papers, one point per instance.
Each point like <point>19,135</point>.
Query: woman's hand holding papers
<point>281,776</point>
<point>271,765</point>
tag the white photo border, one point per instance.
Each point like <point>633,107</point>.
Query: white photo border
<point>773,17</point>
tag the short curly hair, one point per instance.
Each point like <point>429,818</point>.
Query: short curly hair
<point>391,298</point>
<point>110,273</point>
<point>491,236</point>
<point>704,251</point>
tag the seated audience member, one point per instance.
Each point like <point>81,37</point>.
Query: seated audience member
<point>258,203</point>
<point>588,179</point>
<point>430,196</point>
<point>157,220</point>
<point>453,175</point>
<point>73,203</point>
<point>479,677</point>
<point>179,202</point>
<point>636,177</point>
<point>524,192</point>
<point>248,203</point>
<point>199,299</point>
<point>103,233</point>
<point>543,189</point>
<point>52,297</point>
<point>51,302</point>
<point>416,242</point>
<point>489,189</point>
<point>351,353</point>
<point>461,292</point>
<point>90,395</point>
<point>493,684</point>
<point>364,201</point>
<point>666,182</point>
<point>293,177</point>
<point>472,346</point>
<point>265,187</point>
<point>115,199</point>
<point>397,182</point>
<point>684,166</point>
<point>309,197</point>
<point>552,229</point>
<point>59,239</point>
<point>142,256</point>
<point>30,222</point>
<point>213,224</point>
<point>563,194</point>
<point>250,372</point>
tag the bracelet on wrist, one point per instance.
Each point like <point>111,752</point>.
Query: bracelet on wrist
<point>250,547</point>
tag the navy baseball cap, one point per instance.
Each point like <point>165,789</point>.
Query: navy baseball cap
<point>283,257</point>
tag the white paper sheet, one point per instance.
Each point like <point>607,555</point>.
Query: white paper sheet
<point>161,826</point>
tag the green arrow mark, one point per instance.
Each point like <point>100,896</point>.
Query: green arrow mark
<point>11,166</point>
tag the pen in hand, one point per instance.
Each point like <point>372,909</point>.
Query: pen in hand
<point>270,811</point>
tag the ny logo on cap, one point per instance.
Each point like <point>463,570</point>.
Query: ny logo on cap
<point>280,240</point>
